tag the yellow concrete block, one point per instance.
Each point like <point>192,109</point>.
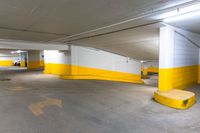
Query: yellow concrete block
<point>178,99</point>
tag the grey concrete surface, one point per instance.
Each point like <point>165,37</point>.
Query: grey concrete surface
<point>15,68</point>
<point>89,106</point>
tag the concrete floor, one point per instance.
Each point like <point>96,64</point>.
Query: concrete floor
<point>151,80</point>
<point>87,107</point>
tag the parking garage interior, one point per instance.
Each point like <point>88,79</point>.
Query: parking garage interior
<point>72,66</point>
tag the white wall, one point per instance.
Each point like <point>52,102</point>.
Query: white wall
<point>176,49</point>
<point>93,58</point>
<point>185,52</point>
<point>4,56</point>
<point>199,55</point>
<point>23,56</point>
<point>57,57</point>
<point>150,64</point>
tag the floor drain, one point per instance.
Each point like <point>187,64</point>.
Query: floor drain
<point>6,79</point>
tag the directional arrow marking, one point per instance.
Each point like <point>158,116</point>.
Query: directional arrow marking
<point>37,108</point>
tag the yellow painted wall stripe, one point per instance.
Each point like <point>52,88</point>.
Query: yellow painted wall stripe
<point>177,78</point>
<point>78,72</point>
<point>152,69</point>
<point>149,70</point>
<point>58,69</point>
<point>6,63</point>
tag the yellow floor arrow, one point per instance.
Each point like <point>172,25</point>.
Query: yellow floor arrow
<point>37,108</point>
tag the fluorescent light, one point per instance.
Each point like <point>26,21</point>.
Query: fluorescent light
<point>17,52</point>
<point>179,13</point>
<point>182,17</point>
<point>12,52</point>
<point>142,61</point>
<point>168,14</point>
<point>190,8</point>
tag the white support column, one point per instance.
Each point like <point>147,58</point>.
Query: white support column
<point>178,68</point>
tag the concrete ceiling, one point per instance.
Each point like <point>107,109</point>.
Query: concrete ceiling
<point>140,43</point>
<point>5,51</point>
<point>191,24</point>
<point>52,20</point>
<point>46,20</point>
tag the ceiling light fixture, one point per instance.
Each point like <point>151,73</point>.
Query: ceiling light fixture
<point>181,13</point>
<point>17,52</point>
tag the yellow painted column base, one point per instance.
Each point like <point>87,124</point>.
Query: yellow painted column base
<point>22,64</point>
<point>178,99</point>
<point>32,65</point>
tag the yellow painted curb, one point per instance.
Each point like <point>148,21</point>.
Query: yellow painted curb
<point>178,99</point>
<point>68,71</point>
<point>92,77</point>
